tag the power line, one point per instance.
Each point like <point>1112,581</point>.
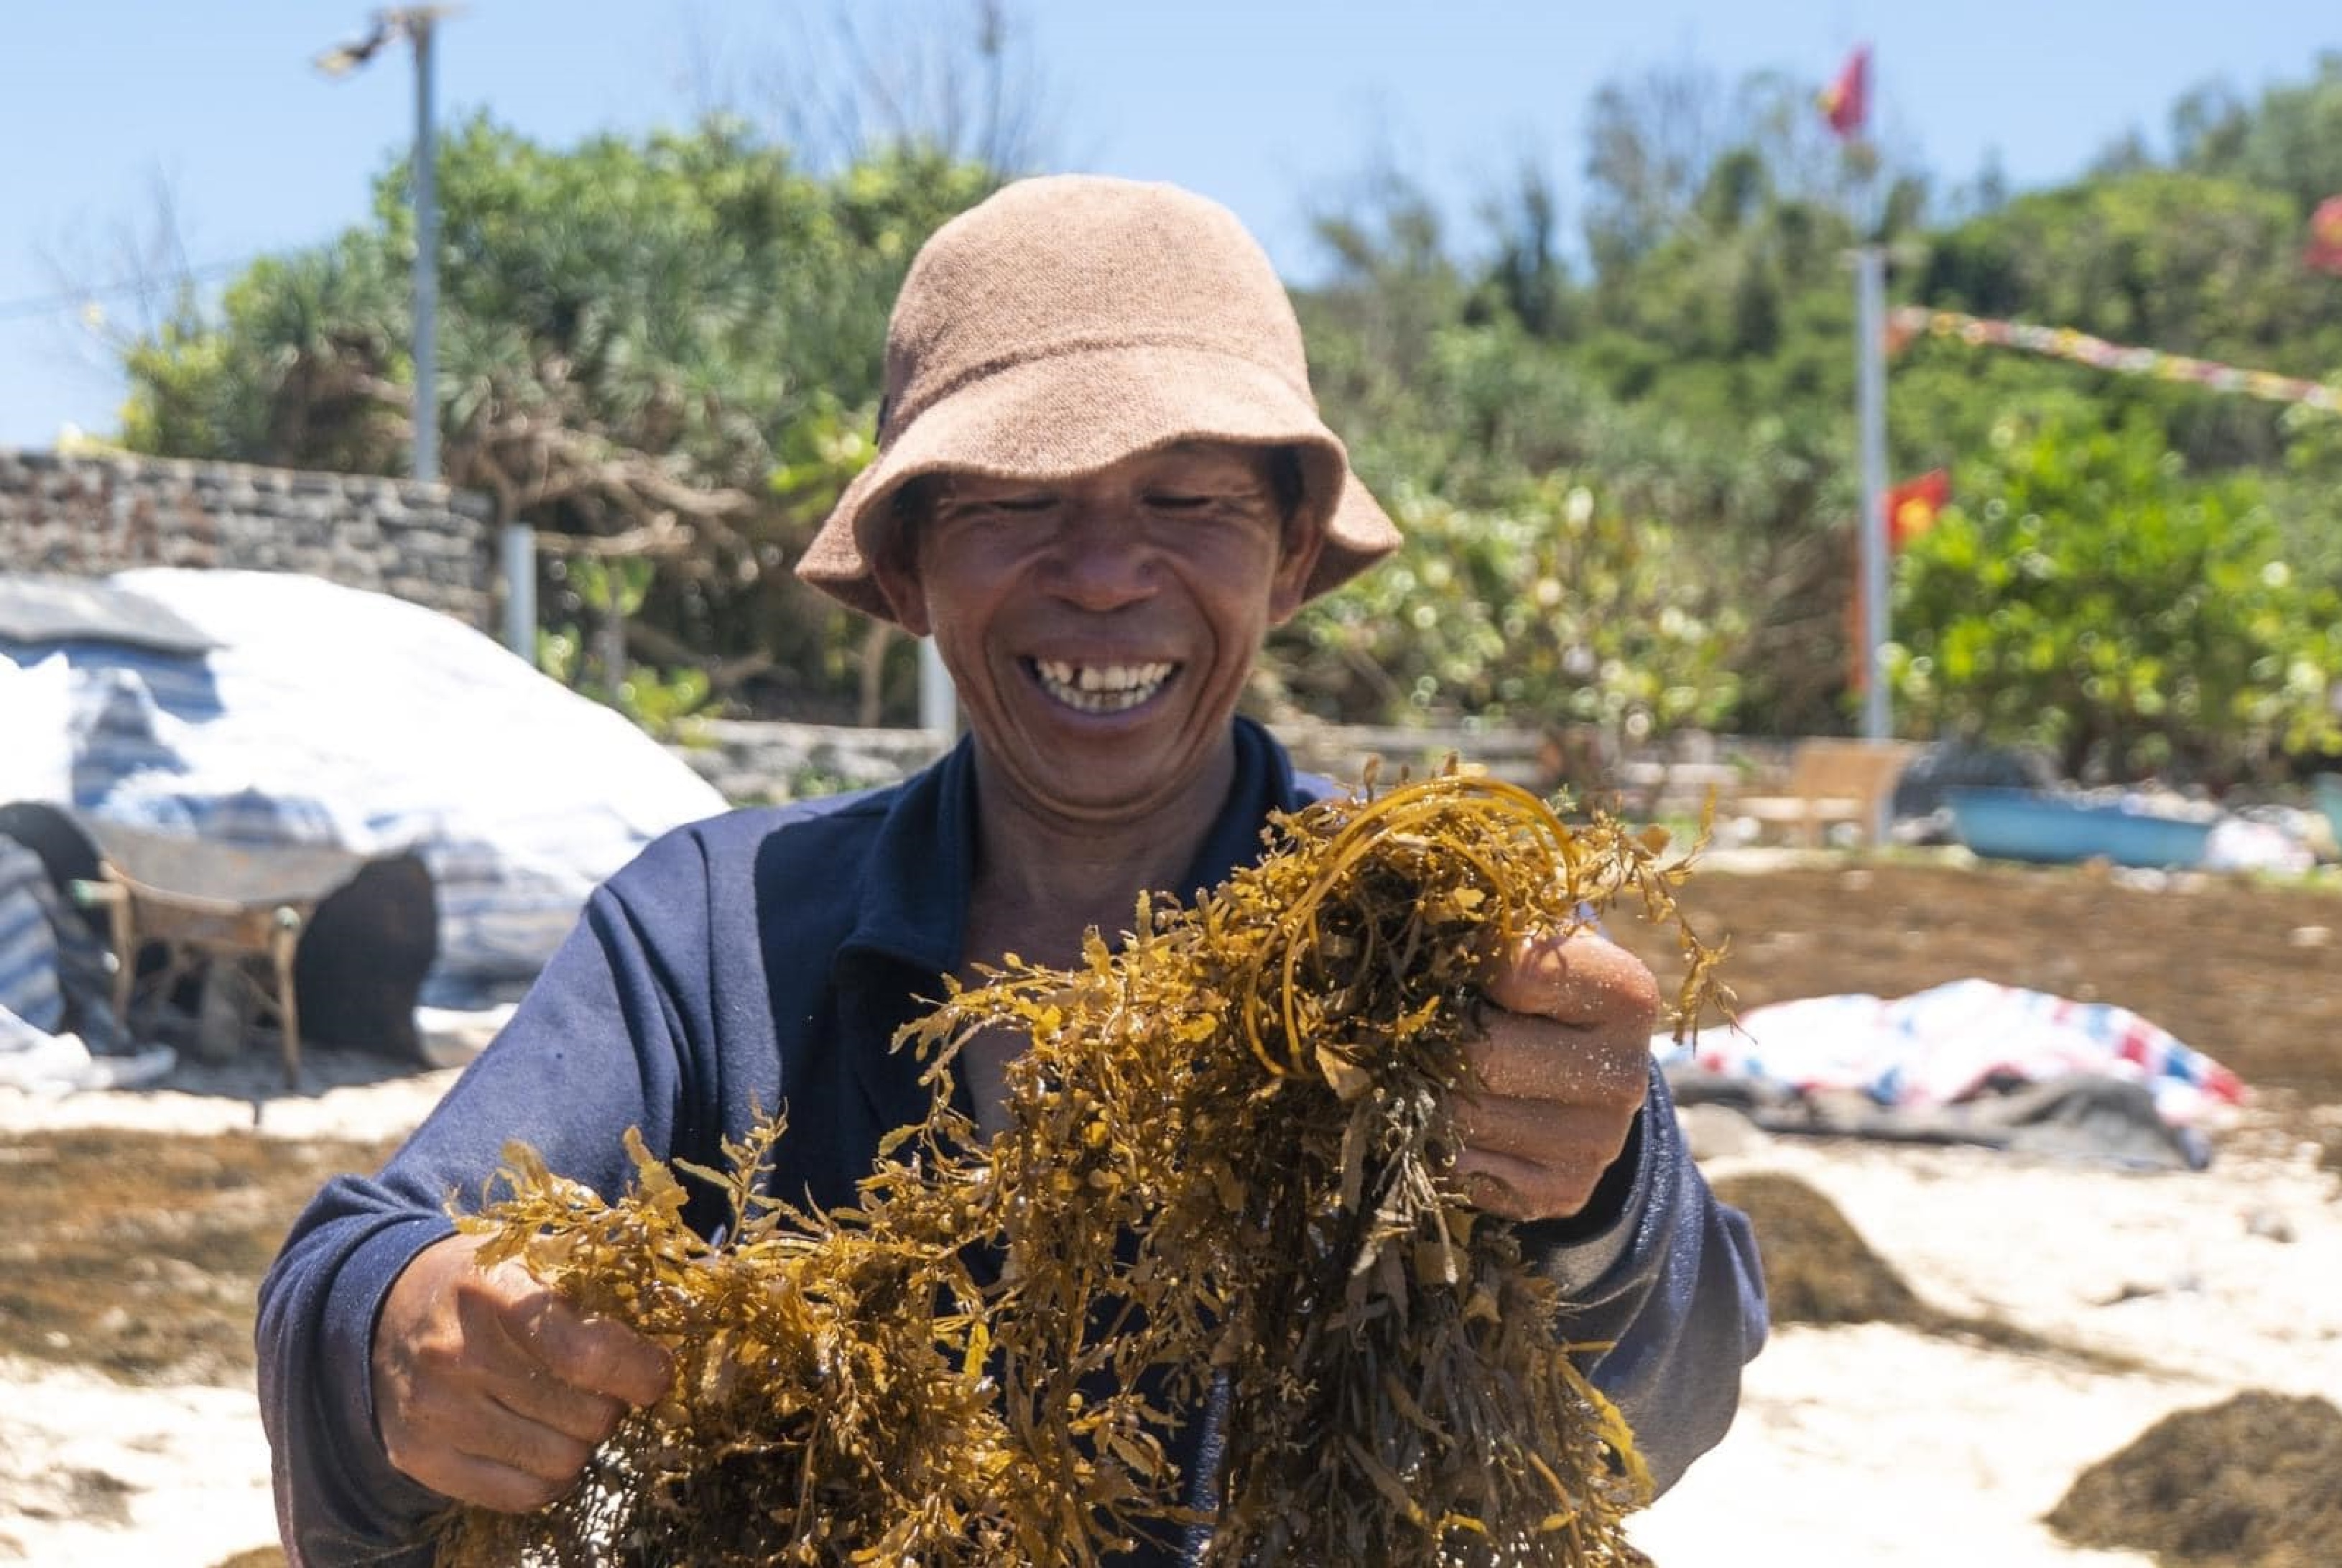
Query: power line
<point>78,299</point>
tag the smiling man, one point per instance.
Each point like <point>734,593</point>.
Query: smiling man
<point>1102,479</point>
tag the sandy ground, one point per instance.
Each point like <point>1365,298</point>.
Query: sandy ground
<point>94,1472</point>
<point>1869,1444</point>
<point>1876,1445</point>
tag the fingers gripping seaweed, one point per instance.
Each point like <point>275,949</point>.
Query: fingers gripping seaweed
<point>1225,1183</point>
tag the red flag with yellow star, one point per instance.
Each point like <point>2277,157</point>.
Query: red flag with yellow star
<point>1845,102</point>
<point>1911,509</point>
<point>1912,506</point>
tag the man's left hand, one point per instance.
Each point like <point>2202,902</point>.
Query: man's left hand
<point>1564,1068</point>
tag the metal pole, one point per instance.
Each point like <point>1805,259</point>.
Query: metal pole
<point>938,703</point>
<point>426,465</point>
<point>1878,722</point>
<point>1870,329</point>
<point>518,543</point>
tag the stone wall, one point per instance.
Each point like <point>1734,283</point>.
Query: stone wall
<point>763,762</point>
<point>87,516</point>
<point>758,762</point>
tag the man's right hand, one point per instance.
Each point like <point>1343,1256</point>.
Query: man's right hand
<point>490,1390</point>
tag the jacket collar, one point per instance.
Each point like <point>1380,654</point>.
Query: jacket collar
<point>912,908</point>
<point>912,924</point>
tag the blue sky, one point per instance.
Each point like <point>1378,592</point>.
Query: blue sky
<point>1265,106</point>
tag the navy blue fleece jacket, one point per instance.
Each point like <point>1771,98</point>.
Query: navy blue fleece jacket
<point>766,958</point>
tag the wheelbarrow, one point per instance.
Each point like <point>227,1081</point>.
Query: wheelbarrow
<point>320,942</point>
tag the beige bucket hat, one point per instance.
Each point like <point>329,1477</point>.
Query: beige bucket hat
<point>1068,322</point>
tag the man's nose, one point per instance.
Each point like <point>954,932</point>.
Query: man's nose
<point>1103,559</point>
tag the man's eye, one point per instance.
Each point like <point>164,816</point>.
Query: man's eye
<point>1176,501</point>
<point>1000,508</point>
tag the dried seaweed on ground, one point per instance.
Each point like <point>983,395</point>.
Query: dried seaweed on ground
<point>2249,1483</point>
<point>136,1253</point>
<point>1225,1182</point>
<point>1819,1270</point>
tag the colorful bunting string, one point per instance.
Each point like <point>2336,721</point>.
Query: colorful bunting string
<point>2064,343</point>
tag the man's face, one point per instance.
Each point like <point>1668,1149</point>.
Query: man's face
<point>1100,629</point>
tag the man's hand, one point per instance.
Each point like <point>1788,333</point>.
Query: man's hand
<point>489,1389</point>
<point>1564,1065</point>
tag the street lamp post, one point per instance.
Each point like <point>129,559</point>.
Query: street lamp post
<point>1870,381</point>
<point>517,547</point>
<point>427,255</point>
<point>414,23</point>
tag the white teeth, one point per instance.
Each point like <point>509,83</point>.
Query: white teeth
<point>1101,688</point>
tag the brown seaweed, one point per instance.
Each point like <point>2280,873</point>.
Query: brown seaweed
<point>1225,1178</point>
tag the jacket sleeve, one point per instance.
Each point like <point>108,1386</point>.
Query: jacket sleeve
<point>600,1043</point>
<point>1670,1282</point>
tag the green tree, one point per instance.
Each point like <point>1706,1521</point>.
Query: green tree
<point>1552,609</point>
<point>2089,596</point>
<point>2289,142</point>
<point>651,347</point>
<point>1446,387</point>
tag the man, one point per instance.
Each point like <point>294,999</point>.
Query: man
<point>1101,480</point>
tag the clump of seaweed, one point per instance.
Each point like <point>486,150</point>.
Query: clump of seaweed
<point>2248,1483</point>
<point>1819,1270</point>
<point>1224,1186</point>
<point>829,1403</point>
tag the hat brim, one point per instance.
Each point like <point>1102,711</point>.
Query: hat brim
<point>1060,415</point>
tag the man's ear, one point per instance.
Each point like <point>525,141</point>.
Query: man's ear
<point>895,566</point>
<point>1288,586</point>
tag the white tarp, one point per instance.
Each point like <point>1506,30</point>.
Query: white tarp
<point>331,716</point>
<point>36,703</point>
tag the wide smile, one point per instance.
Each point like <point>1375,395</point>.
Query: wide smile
<point>1100,688</point>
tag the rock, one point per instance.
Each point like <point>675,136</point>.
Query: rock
<point>2270,1224</point>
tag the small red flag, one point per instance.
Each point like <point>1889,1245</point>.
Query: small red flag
<point>2324,252</point>
<point>1912,506</point>
<point>1846,103</point>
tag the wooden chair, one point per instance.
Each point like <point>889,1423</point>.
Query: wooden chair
<point>1833,781</point>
